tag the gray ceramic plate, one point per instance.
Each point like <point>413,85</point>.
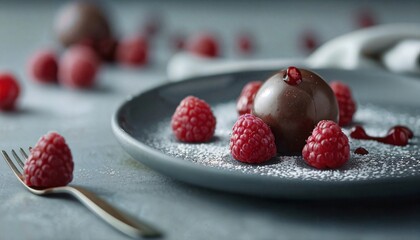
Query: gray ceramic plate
<point>142,126</point>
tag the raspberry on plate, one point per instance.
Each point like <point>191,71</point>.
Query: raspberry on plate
<point>252,140</point>
<point>78,67</point>
<point>203,44</point>
<point>346,103</point>
<point>327,147</point>
<point>43,66</point>
<point>193,120</point>
<point>246,99</point>
<point>9,91</point>
<point>50,163</point>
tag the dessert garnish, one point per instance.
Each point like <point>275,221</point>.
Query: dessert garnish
<point>292,111</point>
<point>193,121</point>
<point>397,135</point>
<point>246,99</point>
<point>252,140</point>
<point>327,147</point>
<point>346,103</point>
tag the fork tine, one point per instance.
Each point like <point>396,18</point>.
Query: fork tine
<point>11,164</point>
<point>17,158</point>
<point>24,153</point>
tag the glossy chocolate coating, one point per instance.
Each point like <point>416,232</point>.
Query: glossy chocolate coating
<point>292,111</point>
<point>82,21</point>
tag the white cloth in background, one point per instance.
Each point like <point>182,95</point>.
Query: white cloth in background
<point>370,47</point>
<point>394,47</point>
<point>404,57</point>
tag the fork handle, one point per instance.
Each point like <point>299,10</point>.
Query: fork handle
<point>110,214</point>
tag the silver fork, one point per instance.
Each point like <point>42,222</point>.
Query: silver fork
<point>104,210</point>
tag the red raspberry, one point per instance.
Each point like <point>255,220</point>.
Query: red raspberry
<point>293,76</point>
<point>346,103</point>
<point>203,44</point>
<point>104,48</point>
<point>153,24</point>
<point>245,43</point>
<point>177,41</point>
<point>365,18</point>
<point>78,67</point>
<point>193,121</point>
<point>246,99</point>
<point>252,140</point>
<point>50,163</point>
<point>9,91</point>
<point>43,66</point>
<point>133,51</point>
<point>309,41</point>
<point>327,147</point>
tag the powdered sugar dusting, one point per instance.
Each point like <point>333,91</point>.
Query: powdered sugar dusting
<point>382,161</point>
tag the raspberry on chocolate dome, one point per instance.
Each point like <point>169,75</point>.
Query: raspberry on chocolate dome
<point>292,102</point>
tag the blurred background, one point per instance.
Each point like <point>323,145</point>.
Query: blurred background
<point>271,29</point>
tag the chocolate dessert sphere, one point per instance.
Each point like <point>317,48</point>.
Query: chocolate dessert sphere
<point>292,102</point>
<point>81,21</point>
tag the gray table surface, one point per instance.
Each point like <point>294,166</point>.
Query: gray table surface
<point>182,211</point>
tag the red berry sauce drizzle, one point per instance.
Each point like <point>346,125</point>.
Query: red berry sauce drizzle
<point>293,76</point>
<point>397,135</point>
<point>361,151</point>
